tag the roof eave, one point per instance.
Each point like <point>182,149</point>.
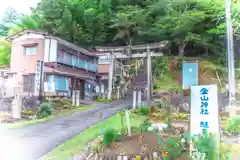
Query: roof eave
<point>18,34</point>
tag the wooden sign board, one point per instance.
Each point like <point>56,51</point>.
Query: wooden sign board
<point>190,73</point>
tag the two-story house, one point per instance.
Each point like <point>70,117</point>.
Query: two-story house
<point>66,66</point>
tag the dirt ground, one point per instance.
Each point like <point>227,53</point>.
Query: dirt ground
<point>134,146</point>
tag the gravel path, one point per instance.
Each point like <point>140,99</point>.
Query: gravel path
<point>32,142</point>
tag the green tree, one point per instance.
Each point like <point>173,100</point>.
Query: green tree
<point>5,49</point>
<point>130,21</point>
<point>11,25</point>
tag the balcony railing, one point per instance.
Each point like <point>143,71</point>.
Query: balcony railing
<point>78,63</point>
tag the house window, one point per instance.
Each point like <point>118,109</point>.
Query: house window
<point>30,50</point>
<point>104,60</point>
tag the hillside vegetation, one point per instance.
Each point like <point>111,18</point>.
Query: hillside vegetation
<point>193,28</point>
<point>171,77</point>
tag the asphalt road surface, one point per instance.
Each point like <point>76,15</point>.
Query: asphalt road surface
<point>32,142</point>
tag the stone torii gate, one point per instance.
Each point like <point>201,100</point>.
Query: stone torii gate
<point>130,52</point>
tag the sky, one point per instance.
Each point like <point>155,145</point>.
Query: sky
<point>22,6</point>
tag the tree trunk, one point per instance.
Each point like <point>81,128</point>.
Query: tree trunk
<point>181,48</point>
<point>207,51</point>
<point>130,45</point>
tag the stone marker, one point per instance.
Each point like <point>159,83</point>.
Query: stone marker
<point>119,157</point>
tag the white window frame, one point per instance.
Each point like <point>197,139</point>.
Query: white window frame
<point>27,53</point>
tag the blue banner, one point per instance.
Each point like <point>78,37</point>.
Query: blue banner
<point>189,74</point>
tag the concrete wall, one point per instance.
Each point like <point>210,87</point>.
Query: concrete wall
<point>24,64</point>
<point>103,68</point>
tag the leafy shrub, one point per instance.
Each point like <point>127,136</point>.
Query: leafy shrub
<point>109,136</point>
<point>132,70</point>
<point>27,112</point>
<point>119,136</point>
<point>180,116</point>
<point>144,126</point>
<point>225,152</point>
<point>198,155</point>
<point>158,116</point>
<point>155,86</point>
<point>144,110</point>
<point>98,147</point>
<point>173,146</point>
<point>134,129</point>
<point>169,123</point>
<point>234,125</point>
<point>206,143</point>
<point>175,90</point>
<point>45,110</point>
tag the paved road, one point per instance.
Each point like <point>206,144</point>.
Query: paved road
<point>32,142</point>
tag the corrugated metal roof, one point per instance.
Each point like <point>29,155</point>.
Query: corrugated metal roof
<point>70,72</point>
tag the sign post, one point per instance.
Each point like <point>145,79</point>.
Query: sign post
<point>39,79</point>
<point>204,110</point>
<point>189,76</point>
<point>128,123</point>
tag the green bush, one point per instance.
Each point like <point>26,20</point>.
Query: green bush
<point>98,147</point>
<point>144,126</point>
<point>109,136</point>
<point>169,123</point>
<point>180,116</point>
<point>206,143</point>
<point>45,110</point>
<point>175,89</point>
<point>172,146</point>
<point>27,112</point>
<point>234,125</point>
<point>144,110</point>
<point>155,86</point>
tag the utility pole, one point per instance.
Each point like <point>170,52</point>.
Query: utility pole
<point>148,75</point>
<point>110,75</point>
<point>230,59</point>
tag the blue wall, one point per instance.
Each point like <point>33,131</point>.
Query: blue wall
<point>61,83</point>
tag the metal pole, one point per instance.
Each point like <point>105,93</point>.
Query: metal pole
<point>230,55</point>
<point>148,74</point>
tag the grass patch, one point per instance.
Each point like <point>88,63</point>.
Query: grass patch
<point>55,115</point>
<point>103,100</point>
<point>73,146</point>
<point>234,149</point>
<point>67,111</point>
<point>166,83</point>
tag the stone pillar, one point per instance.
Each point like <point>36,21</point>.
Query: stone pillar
<point>102,90</point>
<point>238,139</point>
<point>125,91</point>
<point>118,92</point>
<point>134,98</point>
<point>136,67</point>
<point>16,107</point>
<point>139,99</point>
<point>78,98</point>
<point>74,98</point>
